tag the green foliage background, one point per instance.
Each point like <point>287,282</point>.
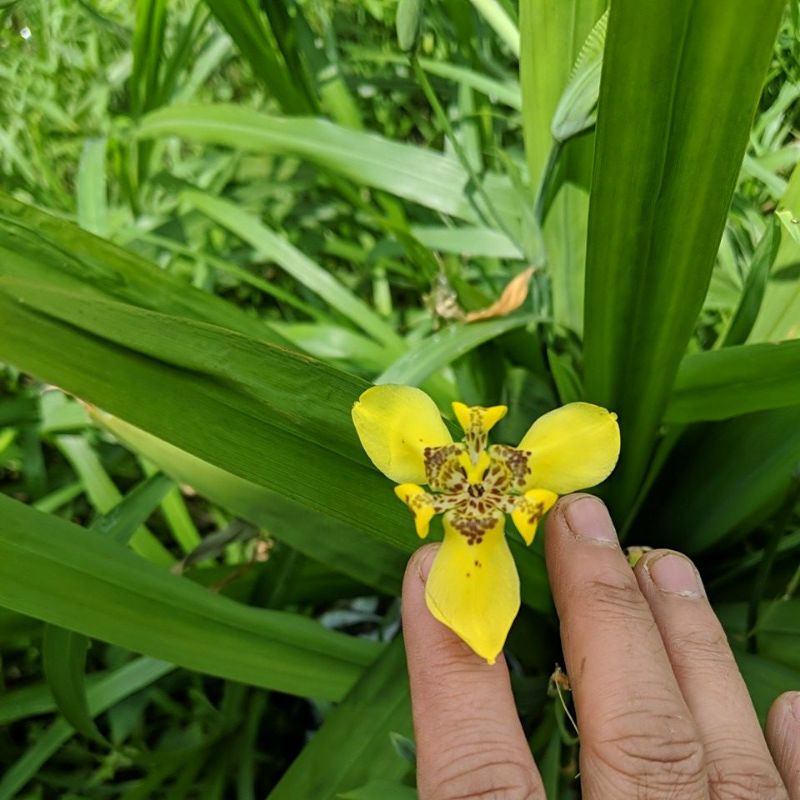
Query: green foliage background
<point>221,220</point>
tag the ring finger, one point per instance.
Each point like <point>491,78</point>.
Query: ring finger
<point>738,761</point>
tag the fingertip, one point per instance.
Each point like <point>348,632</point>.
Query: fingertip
<point>783,739</point>
<point>419,565</point>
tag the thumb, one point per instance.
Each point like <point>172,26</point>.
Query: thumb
<point>469,739</point>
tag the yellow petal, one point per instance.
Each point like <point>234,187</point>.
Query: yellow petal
<point>395,424</point>
<point>529,510</point>
<point>478,418</point>
<point>420,503</point>
<point>474,588</point>
<point>573,447</point>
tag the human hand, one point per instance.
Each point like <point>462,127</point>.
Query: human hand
<point>662,709</point>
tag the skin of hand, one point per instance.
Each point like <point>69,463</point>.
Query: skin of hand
<point>661,707</point>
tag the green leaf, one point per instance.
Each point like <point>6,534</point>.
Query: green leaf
<point>433,180</point>
<point>64,662</point>
<point>380,790</point>
<point>408,22</point>
<point>91,188</point>
<point>778,629</point>
<point>780,308</point>
<point>48,567</point>
<point>766,680</point>
<point>755,285</point>
<point>722,480</point>
<point>354,745</point>
<point>105,496</point>
<point>577,108</point>
<point>718,384</point>
<point>250,29</point>
<point>437,350</point>
<point>553,33</point>
<point>495,14</point>
<point>370,561</point>
<point>678,83</point>
<point>269,244</point>
<point>109,691</point>
<point>36,246</point>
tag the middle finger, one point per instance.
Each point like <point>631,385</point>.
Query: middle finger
<point>638,738</point>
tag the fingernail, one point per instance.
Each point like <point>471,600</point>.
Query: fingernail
<point>587,518</point>
<point>423,559</point>
<point>675,574</point>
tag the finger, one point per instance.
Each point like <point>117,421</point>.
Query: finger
<point>470,741</point>
<point>737,759</point>
<point>783,738</point>
<point>637,736</point>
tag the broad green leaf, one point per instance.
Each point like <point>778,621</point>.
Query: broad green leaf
<point>271,245</point>
<point>49,567</point>
<point>109,691</point>
<point>718,384</point>
<point>64,662</point>
<point>242,399</point>
<point>754,286</point>
<point>368,560</point>
<point>437,350</point>
<point>678,83</point>
<point>36,246</point>
<point>433,180</point>
<point>354,745</point>
<point>721,480</point>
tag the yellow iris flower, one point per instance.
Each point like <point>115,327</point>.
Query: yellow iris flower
<point>473,586</point>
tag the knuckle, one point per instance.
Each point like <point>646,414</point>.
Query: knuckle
<point>477,773</point>
<point>739,777</point>
<point>613,597</point>
<point>703,647</point>
<point>652,745</point>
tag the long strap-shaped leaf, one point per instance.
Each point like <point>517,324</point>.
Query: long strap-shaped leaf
<point>681,79</point>
<point>79,580</point>
<point>269,416</point>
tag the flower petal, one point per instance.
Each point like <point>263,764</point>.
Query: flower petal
<point>573,447</point>
<point>395,424</point>
<point>529,509</point>
<point>473,586</point>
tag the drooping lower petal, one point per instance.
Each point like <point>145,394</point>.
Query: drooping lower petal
<point>573,447</point>
<point>395,424</point>
<point>473,586</point>
<point>529,509</point>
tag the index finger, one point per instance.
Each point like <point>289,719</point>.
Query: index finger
<point>638,738</point>
<point>470,742</point>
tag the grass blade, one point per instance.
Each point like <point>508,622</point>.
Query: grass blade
<point>275,247</point>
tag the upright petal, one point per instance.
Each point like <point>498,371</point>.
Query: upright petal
<point>395,424</point>
<point>573,447</point>
<point>473,586</point>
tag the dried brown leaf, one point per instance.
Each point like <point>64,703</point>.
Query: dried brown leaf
<point>513,296</point>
